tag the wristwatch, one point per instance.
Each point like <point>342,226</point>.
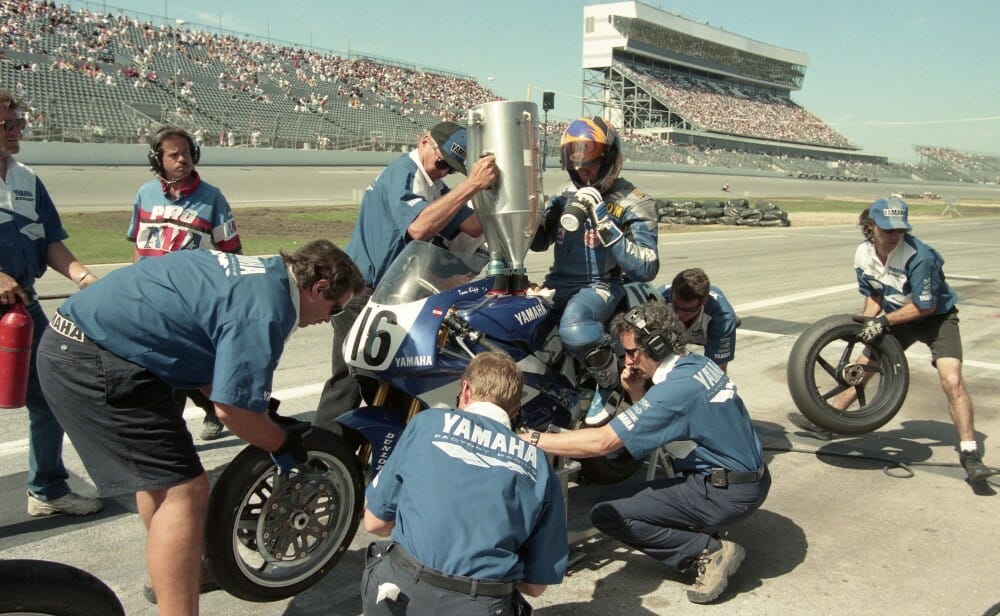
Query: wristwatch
<point>534,438</point>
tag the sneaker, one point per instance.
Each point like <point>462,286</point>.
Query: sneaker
<point>208,584</point>
<point>602,407</point>
<point>70,504</point>
<point>803,423</point>
<point>972,462</point>
<point>714,570</point>
<point>211,428</point>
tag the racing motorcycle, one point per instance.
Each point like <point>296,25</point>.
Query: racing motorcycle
<point>826,361</point>
<point>271,537</point>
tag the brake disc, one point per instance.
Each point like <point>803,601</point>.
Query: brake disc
<point>295,519</point>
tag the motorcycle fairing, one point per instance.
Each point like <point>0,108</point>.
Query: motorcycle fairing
<point>380,425</point>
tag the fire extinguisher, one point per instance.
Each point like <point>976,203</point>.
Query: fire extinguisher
<point>16,330</point>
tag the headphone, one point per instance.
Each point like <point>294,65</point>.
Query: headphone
<point>155,156</point>
<point>654,343</point>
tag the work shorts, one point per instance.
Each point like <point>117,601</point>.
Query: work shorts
<point>125,423</point>
<point>939,332</point>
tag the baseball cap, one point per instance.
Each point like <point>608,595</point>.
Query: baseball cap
<point>450,138</point>
<point>889,214</point>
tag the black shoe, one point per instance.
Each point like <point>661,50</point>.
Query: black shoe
<point>802,423</point>
<point>208,584</point>
<point>211,428</point>
<point>972,462</point>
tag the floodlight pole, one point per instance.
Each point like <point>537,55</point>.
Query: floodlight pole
<point>545,137</point>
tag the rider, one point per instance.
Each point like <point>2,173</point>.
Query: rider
<point>605,232</point>
<point>708,318</point>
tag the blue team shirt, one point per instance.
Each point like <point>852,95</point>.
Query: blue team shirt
<point>715,327</point>
<point>692,400</point>
<point>28,224</point>
<point>471,498</point>
<point>390,204</point>
<point>195,317</point>
<point>913,272</point>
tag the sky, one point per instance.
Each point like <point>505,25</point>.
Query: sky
<point>887,74</point>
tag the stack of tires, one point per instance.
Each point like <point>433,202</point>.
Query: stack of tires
<point>731,212</point>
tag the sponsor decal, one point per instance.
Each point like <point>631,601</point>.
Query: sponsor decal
<point>530,314</point>
<point>417,361</point>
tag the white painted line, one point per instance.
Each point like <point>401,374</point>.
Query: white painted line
<point>190,412</point>
<point>794,297</point>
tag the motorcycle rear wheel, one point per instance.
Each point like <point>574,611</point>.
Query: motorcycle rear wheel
<point>824,362</point>
<point>267,553</point>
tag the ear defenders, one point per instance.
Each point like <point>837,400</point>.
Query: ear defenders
<point>654,343</point>
<point>155,155</point>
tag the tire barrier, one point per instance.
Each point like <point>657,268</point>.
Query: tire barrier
<point>739,212</point>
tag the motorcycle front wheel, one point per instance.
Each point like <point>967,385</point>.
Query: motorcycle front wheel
<point>55,589</point>
<point>268,538</point>
<point>828,360</point>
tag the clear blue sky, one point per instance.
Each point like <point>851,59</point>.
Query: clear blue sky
<point>885,73</point>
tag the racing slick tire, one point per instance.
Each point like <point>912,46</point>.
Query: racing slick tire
<point>44,587</point>
<point>268,537</point>
<point>824,362</point>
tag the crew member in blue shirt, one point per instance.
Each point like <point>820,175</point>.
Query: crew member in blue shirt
<point>707,316</point>
<point>114,353</point>
<point>31,240</point>
<point>475,513</point>
<point>694,410</point>
<point>903,283</point>
<point>407,201</point>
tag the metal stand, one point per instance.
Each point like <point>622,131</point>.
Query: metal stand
<point>950,209</point>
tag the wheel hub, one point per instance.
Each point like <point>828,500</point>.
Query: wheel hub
<point>853,374</point>
<point>295,518</point>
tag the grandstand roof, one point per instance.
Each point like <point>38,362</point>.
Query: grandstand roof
<point>640,29</point>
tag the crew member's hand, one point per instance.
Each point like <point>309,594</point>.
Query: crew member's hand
<point>484,173</point>
<point>872,328</point>
<point>10,291</point>
<point>634,383</point>
<point>292,452</point>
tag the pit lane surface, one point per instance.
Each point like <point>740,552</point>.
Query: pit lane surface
<point>837,535</point>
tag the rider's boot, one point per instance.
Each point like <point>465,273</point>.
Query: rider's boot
<point>603,366</point>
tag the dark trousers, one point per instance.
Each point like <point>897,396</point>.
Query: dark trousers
<point>672,520</point>
<point>416,597</point>
<point>340,392</point>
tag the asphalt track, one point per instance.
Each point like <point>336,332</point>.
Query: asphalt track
<point>838,534</point>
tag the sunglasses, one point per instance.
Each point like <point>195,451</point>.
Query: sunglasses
<point>686,310</point>
<point>9,125</point>
<point>441,165</point>
<point>631,353</point>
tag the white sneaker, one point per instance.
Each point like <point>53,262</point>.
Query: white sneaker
<point>603,407</point>
<point>70,504</point>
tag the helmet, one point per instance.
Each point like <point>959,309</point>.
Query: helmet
<point>587,141</point>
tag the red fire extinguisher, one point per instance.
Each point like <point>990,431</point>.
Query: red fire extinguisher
<point>16,330</point>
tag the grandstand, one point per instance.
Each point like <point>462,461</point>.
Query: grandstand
<point>91,76</point>
<point>684,93</point>
<point>660,75</point>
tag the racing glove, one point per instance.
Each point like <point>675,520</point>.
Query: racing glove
<point>292,452</point>
<point>607,229</point>
<point>872,328</point>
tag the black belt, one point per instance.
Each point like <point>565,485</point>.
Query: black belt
<point>454,583</point>
<point>722,478</point>
<point>65,327</point>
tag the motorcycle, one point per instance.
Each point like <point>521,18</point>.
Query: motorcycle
<point>408,349</point>
<point>829,360</point>
<point>271,537</point>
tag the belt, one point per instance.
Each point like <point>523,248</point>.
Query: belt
<point>454,583</point>
<point>63,326</point>
<point>721,478</point>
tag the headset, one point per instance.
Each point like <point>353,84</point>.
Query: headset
<point>654,343</point>
<point>155,156</point>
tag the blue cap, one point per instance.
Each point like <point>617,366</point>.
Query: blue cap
<point>889,214</point>
<point>450,139</point>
